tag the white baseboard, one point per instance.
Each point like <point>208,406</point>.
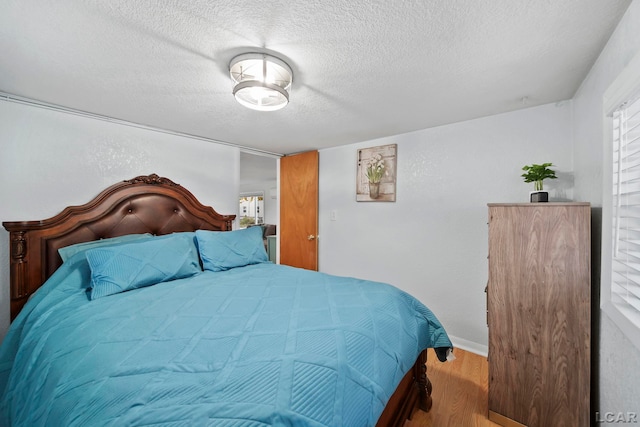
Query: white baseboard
<point>467,345</point>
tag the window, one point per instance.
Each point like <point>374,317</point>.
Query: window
<point>621,203</point>
<point>625,258</point>
<point>251,209</point>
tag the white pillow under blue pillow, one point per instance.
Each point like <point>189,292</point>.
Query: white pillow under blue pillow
<point>69,251</point>
<point>128,266</point>
<point>222,250</point>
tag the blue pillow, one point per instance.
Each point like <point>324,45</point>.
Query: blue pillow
<point>135,265</point>
<point>222,250</point>
<point>69,251</point>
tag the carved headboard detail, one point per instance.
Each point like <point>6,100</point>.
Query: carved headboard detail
<point>144,204</point>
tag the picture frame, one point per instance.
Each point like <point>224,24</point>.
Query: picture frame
<point>376,174</point>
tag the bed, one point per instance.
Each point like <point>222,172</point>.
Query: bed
<point>161,314</point>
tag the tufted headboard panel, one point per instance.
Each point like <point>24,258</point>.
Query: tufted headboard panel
<point>145,204</point>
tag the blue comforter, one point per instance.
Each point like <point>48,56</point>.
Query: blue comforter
<point>254,346</point>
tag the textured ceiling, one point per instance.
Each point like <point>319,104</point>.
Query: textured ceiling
<point>363,69</point>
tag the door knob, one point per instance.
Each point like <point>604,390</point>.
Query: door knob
<point>311,237</point>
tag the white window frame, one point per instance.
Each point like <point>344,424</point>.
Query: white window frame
<point>625,88</point>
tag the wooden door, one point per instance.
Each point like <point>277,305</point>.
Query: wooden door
<point>299,210</point>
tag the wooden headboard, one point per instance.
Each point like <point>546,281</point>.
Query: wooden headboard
<point>145,204</point>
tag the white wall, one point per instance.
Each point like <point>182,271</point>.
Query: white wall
<point>618,366</point>
<point>50,160</point>
<point>432,242</point>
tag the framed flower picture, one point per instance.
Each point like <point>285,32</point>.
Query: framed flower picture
<point>376,176</point>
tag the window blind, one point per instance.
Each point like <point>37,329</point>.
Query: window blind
<point>625,265</point>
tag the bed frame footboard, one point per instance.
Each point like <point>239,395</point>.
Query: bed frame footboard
<point>413,392</point>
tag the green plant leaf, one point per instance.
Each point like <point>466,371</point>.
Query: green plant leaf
<point>537,173</point>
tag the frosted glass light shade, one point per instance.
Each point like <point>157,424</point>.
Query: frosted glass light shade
<point>261,81</point>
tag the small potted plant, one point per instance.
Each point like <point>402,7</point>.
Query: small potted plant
<point>536,174</point>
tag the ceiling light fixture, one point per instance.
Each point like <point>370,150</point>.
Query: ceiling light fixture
<point>261,81</point>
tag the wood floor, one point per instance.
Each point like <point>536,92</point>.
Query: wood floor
<point>459,393</point>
